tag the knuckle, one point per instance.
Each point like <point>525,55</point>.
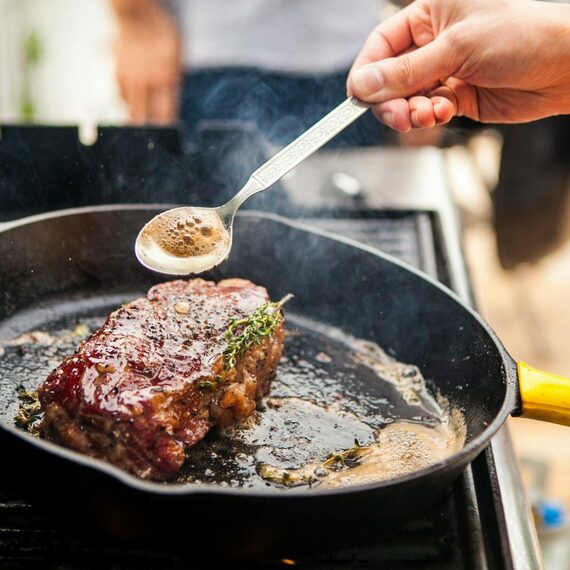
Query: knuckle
<point>405,70</point>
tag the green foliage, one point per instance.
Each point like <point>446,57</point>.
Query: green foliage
<point>33,49</point>
<point>32,56</point>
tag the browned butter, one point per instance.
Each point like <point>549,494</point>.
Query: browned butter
<point>399,448</point>
<point>184,241</point>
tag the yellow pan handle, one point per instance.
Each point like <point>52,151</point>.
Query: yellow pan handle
<point>544,396</point>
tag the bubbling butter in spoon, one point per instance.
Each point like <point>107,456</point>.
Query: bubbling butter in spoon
<point>184,240</point>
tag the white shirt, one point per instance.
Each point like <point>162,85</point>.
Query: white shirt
<point>289,36</point>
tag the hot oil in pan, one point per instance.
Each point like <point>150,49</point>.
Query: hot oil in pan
<point>28,358</point>
<point>339,412</point>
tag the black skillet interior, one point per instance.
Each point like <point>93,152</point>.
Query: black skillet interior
<point>59,271</point>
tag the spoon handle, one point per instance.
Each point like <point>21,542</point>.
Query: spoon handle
<point>310,141</point>
<point>294,153</point>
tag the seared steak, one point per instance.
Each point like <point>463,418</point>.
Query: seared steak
<point>152,381</point>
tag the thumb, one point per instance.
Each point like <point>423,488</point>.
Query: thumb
<point>403,75</point>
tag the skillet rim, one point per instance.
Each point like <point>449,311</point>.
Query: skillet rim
<point>510,404</point>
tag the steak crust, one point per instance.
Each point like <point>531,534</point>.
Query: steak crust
<point>142,389</point>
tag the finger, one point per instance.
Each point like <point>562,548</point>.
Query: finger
<point>404,75</point>
<point>162,103</point>
<point>422,112</point>
<point>388,39</point>
<point>419,112</point>
<point>462,97</point>
<point>466,97</point>
<point>137,99</point>
<point>444,109</point>
<point>123,92</point>
<point>429,88</point>
<point>394,114</point>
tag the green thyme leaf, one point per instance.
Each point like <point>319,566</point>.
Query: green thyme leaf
<point>245,332</point>
<point>347,457</point>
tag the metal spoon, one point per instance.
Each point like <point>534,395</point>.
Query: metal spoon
<point>191,240</point>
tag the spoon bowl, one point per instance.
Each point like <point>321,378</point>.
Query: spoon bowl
<point>185,240</point>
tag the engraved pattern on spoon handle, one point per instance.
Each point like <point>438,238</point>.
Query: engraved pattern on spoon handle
<point>310,141</point>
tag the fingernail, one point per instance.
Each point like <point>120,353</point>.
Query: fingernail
<point>367,80</point>
<point>387,119</point>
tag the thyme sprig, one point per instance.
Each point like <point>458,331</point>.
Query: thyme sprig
<point>243,333</point>
<point>30,411</point>
<point>346,458</point>
<point>314,473</point>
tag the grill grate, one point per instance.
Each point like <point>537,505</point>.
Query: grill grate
<point>396,236</point>
<point>409,236</point>
<point>32,538</point>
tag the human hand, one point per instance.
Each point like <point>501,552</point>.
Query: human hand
<point>147,50</point>
<point>503,61</point>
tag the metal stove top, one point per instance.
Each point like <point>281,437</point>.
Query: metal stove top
<point>394,199</point>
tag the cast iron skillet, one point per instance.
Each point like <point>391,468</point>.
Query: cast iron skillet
<point>76,263</point>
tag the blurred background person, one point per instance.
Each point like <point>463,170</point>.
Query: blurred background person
<point>278,64</point>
